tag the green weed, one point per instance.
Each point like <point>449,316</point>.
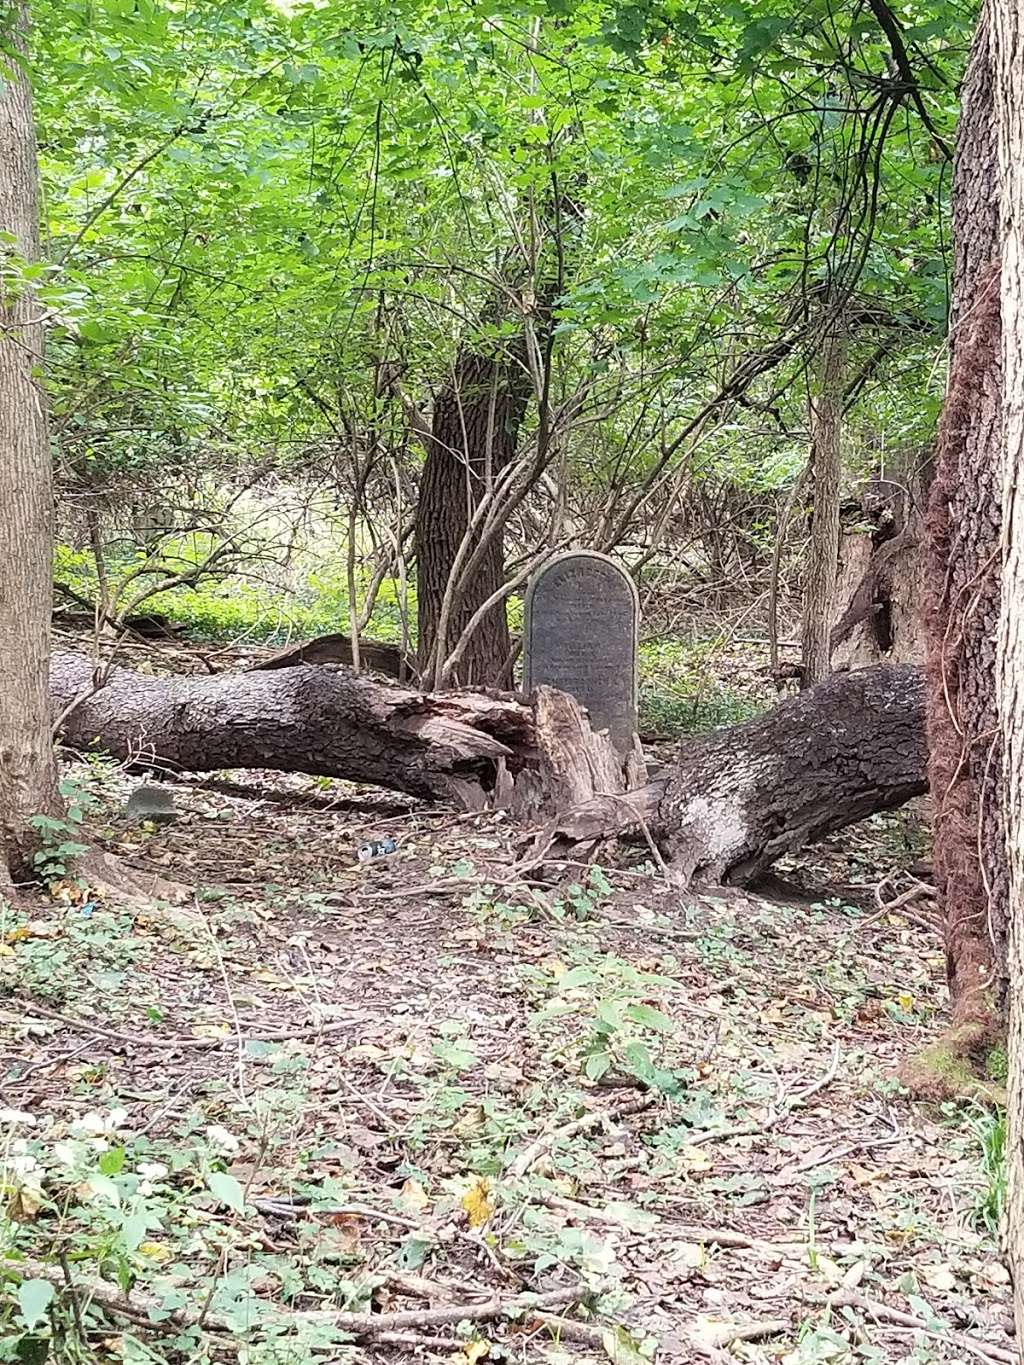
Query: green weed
<point>989,1130</point>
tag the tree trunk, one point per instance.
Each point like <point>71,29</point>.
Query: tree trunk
<point>827,467</point>
<point>736,800</point>
<point>963,554</point>
<point>881,579</point>
<point>474,434</point>
<point>1008,44</point>
<point>730,805</point>
<point>28,779</point>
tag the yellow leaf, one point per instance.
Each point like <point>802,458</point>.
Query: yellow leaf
<point>477,1202</point>
<point>5,951</point>
<point>555,966</point>
<point>472,1352</point>
<point>155,1251</point>
<point>413,1195</point>
<point>211,1031</point>
<point>905,1002</point>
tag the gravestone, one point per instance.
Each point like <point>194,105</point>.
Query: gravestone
<point>581,636</point>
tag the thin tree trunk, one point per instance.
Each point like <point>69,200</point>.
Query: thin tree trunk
<point>963,552</point>
<point>827,466</point>
<point>28,778</point>
<point>1008,45</point>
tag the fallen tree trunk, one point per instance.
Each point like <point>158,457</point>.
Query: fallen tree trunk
<point>475,748</point>
<point>729,804</point>
<point>736,800</point>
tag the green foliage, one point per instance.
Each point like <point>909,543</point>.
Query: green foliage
<point>58,846</point>
<point>51,958</point>
<point>682,692</point>
<point>249,205</point>
<point>989,1129</point>
<point>603,1002</point>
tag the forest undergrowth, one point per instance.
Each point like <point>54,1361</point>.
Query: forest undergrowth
<point>434,1106</point>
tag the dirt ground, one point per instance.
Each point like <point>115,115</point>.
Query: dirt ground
<point>427,1086</point>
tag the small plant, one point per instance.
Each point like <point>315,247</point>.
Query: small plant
<point>57,847</point>
<point>989,1130</point>
<point>619,1030</point>
<point>58,844</point>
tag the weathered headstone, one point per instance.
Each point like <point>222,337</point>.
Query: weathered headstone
<point>581,636</point>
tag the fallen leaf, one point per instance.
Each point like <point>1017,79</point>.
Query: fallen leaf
<point>365,1052</point>
<point>472,1352</point>
<point>695,1159</point>
<point>938,1277</point>
<point>414,1196</point>
<point>994,1273</point>
<point>477,1202</point>
<point>854,1275</point>
<point>155,1251</point>
<point>689,1254</point>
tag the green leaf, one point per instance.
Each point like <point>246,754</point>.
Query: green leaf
<point>102,1184</point>
<point>650,1018</point>
<point>34,1297</point>
<point>577,976</point>
<point>133,1229</point>
<point>227,1189</point>
<point>112,1162</point>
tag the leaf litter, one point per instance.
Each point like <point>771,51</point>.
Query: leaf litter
<point>419,1108</point>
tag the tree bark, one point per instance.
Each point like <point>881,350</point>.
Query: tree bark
<point>1008,44</point>
<point>736,800</point>
<point>729,805</point>
<point>827,468</point>
<point>28,778</point>
<point>963,553</point>
<point>474,434</point>
<point>881,578</point>
<point>303,719</point>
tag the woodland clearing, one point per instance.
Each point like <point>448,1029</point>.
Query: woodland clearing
<point>433,1080</point>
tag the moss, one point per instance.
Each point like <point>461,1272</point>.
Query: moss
<point>951,1069</point>
<point>996,1063</point>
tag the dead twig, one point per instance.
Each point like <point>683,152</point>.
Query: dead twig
<point>881,1312</point>
<point>370,1325</point>
<point>796,1101</point>
<point>149,1040</point>
<point>710,1339</point>
<point>530,1155</point>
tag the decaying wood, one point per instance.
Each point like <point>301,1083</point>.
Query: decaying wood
<point>727,807</point>
<point>874,589</point>
<point>475,748</point>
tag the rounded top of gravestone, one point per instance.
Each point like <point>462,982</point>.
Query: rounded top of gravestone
<point>585,559</point>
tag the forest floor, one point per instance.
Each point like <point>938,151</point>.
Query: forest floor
<point>423,1085</point>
